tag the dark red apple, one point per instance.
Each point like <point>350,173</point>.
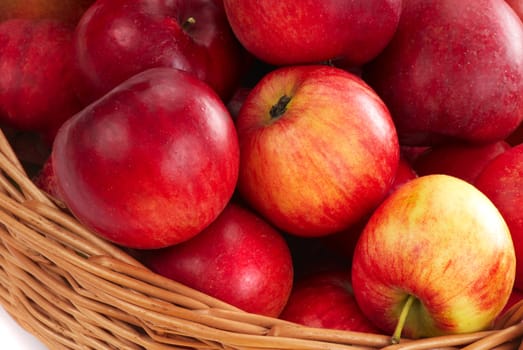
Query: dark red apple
<point>461,160</point>
<point>150,164</point>
<point>36,75</point>
<point>325,300</point>
<point>239,258</point>
<point>502,181</point>
<point>453,70</point>
<point>116,39</point>
<point>307,31</point>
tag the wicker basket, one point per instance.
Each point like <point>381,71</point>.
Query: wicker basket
<point>73,290</point>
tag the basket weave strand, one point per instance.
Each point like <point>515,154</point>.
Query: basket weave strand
<point>74,290</point>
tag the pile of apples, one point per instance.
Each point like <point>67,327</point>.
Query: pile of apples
<point>342,164</point>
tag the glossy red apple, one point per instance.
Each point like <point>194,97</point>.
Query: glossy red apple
<point>453,70</point>
<point>502,181</point>
<point>326,300</point>
<point>36,75</point>
<point>462,160</point>
<point>318,149</point>
<point>306,31</point>
<point>151,163</point>
<point>435,258</point>
<point>239,258</point>
<point>116,39</point>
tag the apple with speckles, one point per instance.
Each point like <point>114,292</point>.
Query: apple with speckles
<point>435,258</point>
<point>453,70</point>
<point>307,31</point>
<point>318,149</point>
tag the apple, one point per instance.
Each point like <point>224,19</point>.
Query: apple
<point>344,242</point>
<point>326,300</point>
<point>36,75</point>
<point>150,164</point>
<point>116,39</point>
<point>453,70</point>
<point>517,6</point>
<point>435,258</point>
<point>318,149</point>
<point>239,258</point>
<point>306,31</point>
<point>502,181</point>
<point>463,160</point>
<point>67,11</point>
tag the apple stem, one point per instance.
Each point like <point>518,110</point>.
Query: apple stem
<point>403,317</point>
<point>280,107</point>
<point>188,23</point>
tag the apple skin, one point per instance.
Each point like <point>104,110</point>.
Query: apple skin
<point>116,39</point>
<point>462,160</point>
<point>517,6</point>
<point>453,70</point>
<point>441,240</point>
<point>67,11</point>
<point>501,181</point>
<point>132,165</point>
<point>325,299</point>
<point>306,31</point>
<point>344,242</point>
<point>35,54</point>
<point>318,163</point>
<point>239,258</point>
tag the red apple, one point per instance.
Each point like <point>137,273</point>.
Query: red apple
<point>151,163</point>
<point>462,160</point>
<point>67,11</point>
<point>116,39</point>
<point>239,259</point>
<point>344,242</point>
<point>453,70</point>
<point>517,6</point>
<point>318,149</point>
<point>326,300</point>
<point>36,75</point>
<point>502,181</point>
<point>435,258</point>
<point>307,31</point>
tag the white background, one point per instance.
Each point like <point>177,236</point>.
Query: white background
<point>14,337</point>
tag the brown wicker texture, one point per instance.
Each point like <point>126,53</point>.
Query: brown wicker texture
<point>73,290</point>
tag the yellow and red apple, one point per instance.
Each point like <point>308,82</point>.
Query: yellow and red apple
<point>435,258</point>
<point>318,149</point>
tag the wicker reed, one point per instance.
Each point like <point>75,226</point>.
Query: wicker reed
<point>73,290</point>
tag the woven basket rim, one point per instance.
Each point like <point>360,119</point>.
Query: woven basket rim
<point>74,290</point>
